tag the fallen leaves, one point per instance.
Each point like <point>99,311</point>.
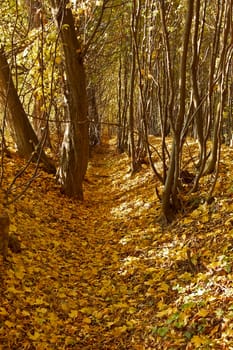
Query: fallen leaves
<point>104,272</point>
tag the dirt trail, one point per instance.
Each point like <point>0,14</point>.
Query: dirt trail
<point>110,295</point>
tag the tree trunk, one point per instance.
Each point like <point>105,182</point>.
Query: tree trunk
<point>134,27</point>
<point>94,130</point>
<point>224,60</point>
<point>170,202</point>
<point>40,117</point>
<point>75,146</point>
<point>24,136</point>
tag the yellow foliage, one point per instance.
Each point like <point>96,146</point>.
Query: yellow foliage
<point>199,340</point>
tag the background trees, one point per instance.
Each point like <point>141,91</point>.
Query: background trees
<point>44,103</point>
<point>159,68</point>
<point>183,53</point>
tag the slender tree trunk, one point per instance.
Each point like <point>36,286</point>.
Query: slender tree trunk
<point>170,201</point>
<point>132,90</point>
<point>197,101</point>
<point>123,104</point>
<point>24,136</point>
<point>94,130</point>
<point>225,42</point>
<point>195,87</point>
<point>75,146</point>
<point>40,117</point>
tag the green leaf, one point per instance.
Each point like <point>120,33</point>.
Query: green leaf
<point>162,331</point>
<point>188,335</point>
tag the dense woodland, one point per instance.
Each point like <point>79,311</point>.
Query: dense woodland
<point>73,71</point>
<point>114,110</point>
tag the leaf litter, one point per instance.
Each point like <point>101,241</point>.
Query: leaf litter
<point>104,274</point>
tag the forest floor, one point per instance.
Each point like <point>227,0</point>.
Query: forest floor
<point>105,275</point>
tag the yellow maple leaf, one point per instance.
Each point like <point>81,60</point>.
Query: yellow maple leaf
<point>196,213</point>
<point>13,290</point>
<point>13,229</point>
<point>3,311</point>
<point>42,310</point>
<point>164,287</point>
<point>187,276</point>
<point>98,314</point>
<point>86,310</point>
<point>34,336</point>
<point>25,313</point>
<point>87,320</point>
<point>53,339</point>
<point>73,313</point>
<point>19,274</point>
<point>110,324</point>
<point>203,312</point>
<point>162,313</point>
<point>120,330</point>
<point>52,317</point>
<point>168,311</point>
<point>131,323</point>
<point>40,301</point>
<point>198,340</point>
<point>9,324</point>
<point>161,305</point>
<point>187,221</point>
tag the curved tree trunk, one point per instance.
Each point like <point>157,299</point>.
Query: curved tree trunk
<point>24,136</point>
<point>75,146</point>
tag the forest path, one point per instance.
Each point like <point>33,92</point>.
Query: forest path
<point>76,285</point>
<point>116,204</point>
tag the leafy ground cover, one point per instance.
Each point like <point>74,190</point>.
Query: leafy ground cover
<point>104,274</point>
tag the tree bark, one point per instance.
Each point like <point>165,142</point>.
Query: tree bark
<point>75,146</point>
<point>24,136</point>
<point>170,202</point>
<point>94,130</point>
<point>225,40</point>
<point>40,117</point>
<point>134,28</point>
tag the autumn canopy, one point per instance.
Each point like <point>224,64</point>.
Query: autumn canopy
<point>116,226</point>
